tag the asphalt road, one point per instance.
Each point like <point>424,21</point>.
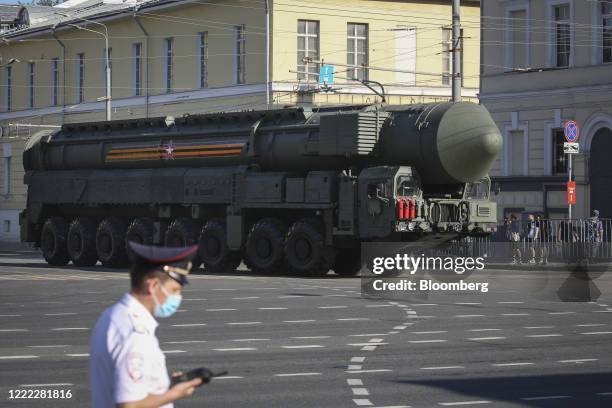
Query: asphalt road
<point>305,342</point>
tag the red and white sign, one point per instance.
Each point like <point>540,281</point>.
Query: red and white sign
<point>571,192</point>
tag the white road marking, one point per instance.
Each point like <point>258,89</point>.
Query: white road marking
<point>539,327</point>
<point>14,330</point>
<point>69,328</point>
<point>228,377</point>
<point>243,323</point>
<point>545,335</point>
<point>515,314</point>
<point>354,381</point>
<point>510,364</point>
<point>236,349</point>
<point>250,340</point>
<point>470,315</point>
<point>52,346</point>
<point>337,295</point>
<point>368,348</point>
<point>546,398</point>
<point>311,337</point>
<point>427,341</point>
<point>16,357</point>
<point>595,333</point>
<point>591,325</point>
<point>349,319</point>
<point>185,342</point>
<point>375,340</point>
<point>333,307</point>
<point>604,393</point>
<point>219,310</point>
<point>363,402</point>
<point>303,346</point>
<point>485,338</point>
<point>367,335</point>
<point>602,311</point>
<point>10,315</point>
<point>424,304</point>
<point>290,296</point>
<point>452,404</point>
<point>78,355</point>
<point>442,368</point>
<point>173,351</point>
<point>582,360</point>
<point>399,327</point>
<point>357,359</point>
<point>354,367</point>
<point>193,299</point>
<point>245,297</point>
<point>272,308</point>
<point>360,391</point>
<point>510,303</point>
<point>299,321</point>
<point>295,374</point>
<point>224,289</point>
<point>379,305</point>
<point>430,332</point>
<point>60,314</point>
<point>47,385</point>
<point>384,370</point>
<point>392,332</point>
<point>189,325</point>
<point>561,313</point>
<point>468,303</point>
<point>366,344</point>
<point>483,330</point>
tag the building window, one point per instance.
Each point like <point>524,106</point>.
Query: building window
<point>562,32</point>
<point>9,88</point>
<point>137,82</point>
<point>517,44</point>
<point>7,225</point>
<point>203,60</point>
<point>517,152</point>
<point>357,50</point>
<point>80,77</point>
<point>31,84</point>
<point>54,81</point>
<point>308,50</point>
<point>240,43</point>
<point>606,13</point>
<point>559,157</point>
<point>169,64</point>
<point>447,55</point>
<point>8,185</point>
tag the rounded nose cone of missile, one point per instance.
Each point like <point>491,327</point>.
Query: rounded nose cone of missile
<point>468,142</point>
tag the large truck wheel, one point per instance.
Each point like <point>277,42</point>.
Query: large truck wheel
<point>347,262</point>
<point>305,248</point>
<point>183,232</point>
<point>264,248</point>
<point>53,241</point>
<point>110,242</point>
<point>141,231</point>
<point>82,241</point>
<point>214,252</point>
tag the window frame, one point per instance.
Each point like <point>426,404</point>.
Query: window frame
<point>8,74</point>
<point>137,69</point>
<point>353,36</point>
<point>508,50</point>
<point>31,83</point>
<point>80,77</point>
<point>202,60</point>
<point>552,33</point>
<point>507,148</point>
<point>169,64</point>
<point>602,19</point>
<point>303,68</point>
<point>54,81</point>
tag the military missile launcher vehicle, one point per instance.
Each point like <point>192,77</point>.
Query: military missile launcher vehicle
<point>291,189</point>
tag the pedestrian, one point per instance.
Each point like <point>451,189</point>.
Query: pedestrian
<point>533,235</point>
<point>594,234</point>
<point>514,236</point>
<point>126,366</point>
<point>543,238</point>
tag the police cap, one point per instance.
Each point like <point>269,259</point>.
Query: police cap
<point>176,262</point>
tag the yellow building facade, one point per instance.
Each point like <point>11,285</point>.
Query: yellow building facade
<point>175,57</point>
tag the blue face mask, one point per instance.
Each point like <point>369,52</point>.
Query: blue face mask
<point>169,307</point>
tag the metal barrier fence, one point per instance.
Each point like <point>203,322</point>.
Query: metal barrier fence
<point>541,241</point>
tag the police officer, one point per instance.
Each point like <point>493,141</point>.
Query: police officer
<point>127,369</point>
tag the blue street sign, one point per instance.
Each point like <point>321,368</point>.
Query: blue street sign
<point>571,131</point>
<point>326,75</point>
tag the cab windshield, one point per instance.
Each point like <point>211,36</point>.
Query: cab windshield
<point>478,190</point>
<point>408,186</point>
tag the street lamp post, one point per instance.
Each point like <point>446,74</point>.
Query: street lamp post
<point>106,55</point>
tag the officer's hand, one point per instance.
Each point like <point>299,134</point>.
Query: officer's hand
<point>184,389</point>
